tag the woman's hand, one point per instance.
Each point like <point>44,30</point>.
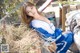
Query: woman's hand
<point>52,47</point>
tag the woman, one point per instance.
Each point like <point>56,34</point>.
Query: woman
<point>51,35</point>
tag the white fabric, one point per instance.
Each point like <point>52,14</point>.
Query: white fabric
<point>77,39</point>
<point>70,16</point>
<point>39,24</point>
<point>76,29</point>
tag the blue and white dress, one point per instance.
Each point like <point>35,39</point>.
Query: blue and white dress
<point>51,34</point>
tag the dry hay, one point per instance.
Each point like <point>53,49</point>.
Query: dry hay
<point>20,38</point>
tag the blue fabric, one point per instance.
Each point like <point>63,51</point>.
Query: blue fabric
<point>63,41</point>
<point>58,32</point>
<point>45,33</point>
<point>65,44</point>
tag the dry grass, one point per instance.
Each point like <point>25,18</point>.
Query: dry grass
<point>20,38</point>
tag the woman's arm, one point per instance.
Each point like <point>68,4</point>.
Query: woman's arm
<point>52,47</point>
<point>38,50</point>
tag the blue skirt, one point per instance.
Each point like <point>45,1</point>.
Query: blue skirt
<point>64,45</point>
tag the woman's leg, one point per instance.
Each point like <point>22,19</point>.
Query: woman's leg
<point>65,44</point>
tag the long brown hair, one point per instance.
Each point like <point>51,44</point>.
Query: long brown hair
<point>26,18</point>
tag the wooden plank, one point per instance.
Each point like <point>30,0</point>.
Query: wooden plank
<point>63,18</point>
<point>64,11</point>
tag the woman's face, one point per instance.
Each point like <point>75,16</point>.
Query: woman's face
<point>31,10</point>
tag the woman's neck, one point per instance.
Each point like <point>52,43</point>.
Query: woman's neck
<point>40,17</point>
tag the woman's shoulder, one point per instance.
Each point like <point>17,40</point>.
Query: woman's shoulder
<point>43,26</point>
<point>38,23</point>
<point>34,22</point>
